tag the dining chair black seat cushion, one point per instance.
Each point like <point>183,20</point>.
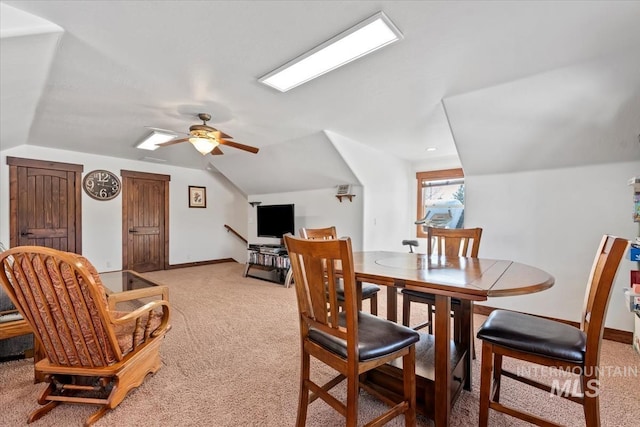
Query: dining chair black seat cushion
<point>534,335</point>
<point>428,296</point>
<point>367,291</point>
<point>378,337</point>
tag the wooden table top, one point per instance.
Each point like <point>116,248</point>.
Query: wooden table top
<point>467,278</point>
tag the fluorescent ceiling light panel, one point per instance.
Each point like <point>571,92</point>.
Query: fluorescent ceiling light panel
<point>366,37</point>
<point>154,138</point>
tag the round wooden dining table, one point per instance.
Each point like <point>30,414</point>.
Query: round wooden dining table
<point>443,360</point>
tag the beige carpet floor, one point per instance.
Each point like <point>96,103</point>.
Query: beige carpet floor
<point>232,359</point>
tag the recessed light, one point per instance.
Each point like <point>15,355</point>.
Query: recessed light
<point>362,39</point>
<point>154,138</point>
<point>431,149</point>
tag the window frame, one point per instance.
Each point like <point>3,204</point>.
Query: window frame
<point>437,175</point>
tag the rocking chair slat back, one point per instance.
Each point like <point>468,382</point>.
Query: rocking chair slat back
<point>61,294</point>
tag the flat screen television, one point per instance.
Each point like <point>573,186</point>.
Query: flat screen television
<point>275,220</point>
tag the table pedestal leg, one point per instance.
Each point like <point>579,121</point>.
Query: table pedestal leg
<point>442,407</point>
<point>463,333</point>
<point>392,304</point>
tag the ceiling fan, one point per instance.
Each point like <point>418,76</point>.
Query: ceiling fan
<point>207,139</point>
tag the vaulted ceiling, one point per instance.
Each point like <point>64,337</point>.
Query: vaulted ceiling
<point>495,86</point>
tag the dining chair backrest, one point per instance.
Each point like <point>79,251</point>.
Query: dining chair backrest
<point>327,233</point>
<point>454,242</point>
<point>598,293</point>
<point>319,233</point>
<point>315,265</point>
<point>369,291</point>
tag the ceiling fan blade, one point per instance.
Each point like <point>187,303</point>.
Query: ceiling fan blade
<point>239,146</point>
<point>175,141</point>
<point>216,151</point>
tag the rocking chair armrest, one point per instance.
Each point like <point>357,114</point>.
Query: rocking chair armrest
<point>115,298</point>
<point>14,328</point>
<point>145,309</point>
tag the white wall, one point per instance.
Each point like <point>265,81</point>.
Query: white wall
<point>389,194</point>
<point>315,209</point>
<point>554,220</point>
<point>194,234</point>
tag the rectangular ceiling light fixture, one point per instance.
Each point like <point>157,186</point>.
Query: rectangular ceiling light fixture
<point>156,136</point>
<point>366,37</point>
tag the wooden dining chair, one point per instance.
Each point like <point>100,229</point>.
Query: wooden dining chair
<point>551,343</point>
<point>92,354</point>
<point>455,242</point>
<point>349,341</point>
<point>369,291</point>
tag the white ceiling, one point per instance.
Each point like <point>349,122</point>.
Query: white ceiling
<point>507,85</point>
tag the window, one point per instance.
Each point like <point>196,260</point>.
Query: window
<point>440,199</point>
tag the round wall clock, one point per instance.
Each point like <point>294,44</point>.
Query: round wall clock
<point>101,184</point>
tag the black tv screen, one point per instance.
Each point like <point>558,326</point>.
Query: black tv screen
<point>275,220</point>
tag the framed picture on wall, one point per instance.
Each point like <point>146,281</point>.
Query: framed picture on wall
<point>197,197</point>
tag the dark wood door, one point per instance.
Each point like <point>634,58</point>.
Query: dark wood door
<point>145,221</point>
<point>45,204</point>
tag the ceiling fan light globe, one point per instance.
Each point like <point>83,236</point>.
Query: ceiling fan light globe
<point>203,145</point>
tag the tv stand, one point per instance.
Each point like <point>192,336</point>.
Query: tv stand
<point>269,262</point>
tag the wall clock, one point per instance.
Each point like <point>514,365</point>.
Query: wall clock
<point>101,184</point>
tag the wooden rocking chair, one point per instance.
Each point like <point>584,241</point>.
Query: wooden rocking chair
<point>93,354</point>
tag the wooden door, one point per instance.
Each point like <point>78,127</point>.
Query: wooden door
<point>145,221</point>
<point>45,204</point>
